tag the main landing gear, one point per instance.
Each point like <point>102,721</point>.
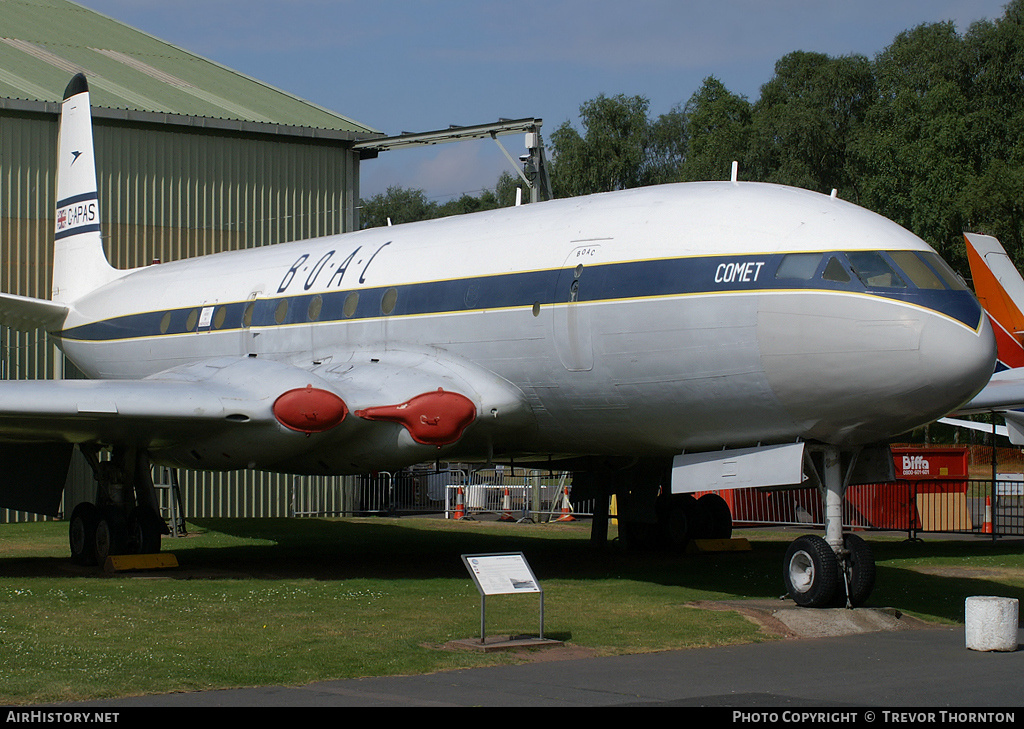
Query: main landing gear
<point>125,518</point>
<point>839,570</point>
<point>650,517</point>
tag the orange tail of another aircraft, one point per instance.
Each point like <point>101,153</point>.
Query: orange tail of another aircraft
<point>1000,289</point>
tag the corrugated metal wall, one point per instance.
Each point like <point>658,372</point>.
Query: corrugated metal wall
<point>166,192</point>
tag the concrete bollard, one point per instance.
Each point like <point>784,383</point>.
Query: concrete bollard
<point>990,623</point>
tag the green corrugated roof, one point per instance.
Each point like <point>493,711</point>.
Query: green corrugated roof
<point>43,43</point>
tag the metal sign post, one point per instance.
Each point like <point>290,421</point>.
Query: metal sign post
<point>502,574</point>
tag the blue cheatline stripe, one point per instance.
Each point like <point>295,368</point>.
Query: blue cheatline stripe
<point>77,199</point>
<point>595,283</point>
<point>92,228</point>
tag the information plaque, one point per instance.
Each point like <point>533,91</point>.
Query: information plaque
<point>502,574</point>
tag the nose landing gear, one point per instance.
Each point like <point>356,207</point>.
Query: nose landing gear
<point>839,570</point>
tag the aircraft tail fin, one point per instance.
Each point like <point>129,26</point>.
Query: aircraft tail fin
<point>79,263</point>
<point>1000,289</point>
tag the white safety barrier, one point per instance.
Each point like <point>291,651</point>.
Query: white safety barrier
<point>990,623</point>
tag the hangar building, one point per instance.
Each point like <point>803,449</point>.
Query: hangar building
<point>192,158</point>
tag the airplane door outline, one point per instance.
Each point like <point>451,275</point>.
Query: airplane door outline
<point>572,333</point>
<point>249,336</point>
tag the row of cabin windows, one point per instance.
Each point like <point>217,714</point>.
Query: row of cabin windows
<point>215,317</point>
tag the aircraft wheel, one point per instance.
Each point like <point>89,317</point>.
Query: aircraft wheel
<point>111,534</point>
<point>717,516</point>
<point>82,533</point>
<point>676,520</point>
<point>144,531</point>
<point>860,569</point>
<point>811,572</point>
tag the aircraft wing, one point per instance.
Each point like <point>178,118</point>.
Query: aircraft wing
<point>362,412</point>
<point>1005,391</point>
<point>189,401</point>
<point>972,425</point>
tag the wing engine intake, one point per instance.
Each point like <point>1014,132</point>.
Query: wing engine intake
<point>432,418</point>
<point>309,409</point>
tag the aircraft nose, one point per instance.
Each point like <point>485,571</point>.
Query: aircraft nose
<point>866,370</point>
<point>958,362</point>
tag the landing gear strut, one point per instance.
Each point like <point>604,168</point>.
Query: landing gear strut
<point>125,518</point>
<point>838,570</point>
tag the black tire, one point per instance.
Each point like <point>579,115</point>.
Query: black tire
<point>145,529</point>
<point>111,534</point>
<point>676,518</point>
<point>811,572</point>
<point>82,533</point>
<point>717,517</point>
<point>860,569</point>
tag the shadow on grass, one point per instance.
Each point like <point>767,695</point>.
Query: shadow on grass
<point>915,577</point>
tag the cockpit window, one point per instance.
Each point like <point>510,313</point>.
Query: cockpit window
<point>915,269</point>
<point>873,271</point>
<point>799,266</point>
<point>834,271</point>
<point>951,277</point>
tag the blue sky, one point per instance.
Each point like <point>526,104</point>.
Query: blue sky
<point>417,65</point>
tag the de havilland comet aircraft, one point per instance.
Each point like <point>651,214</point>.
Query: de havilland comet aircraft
<point>656,342</point>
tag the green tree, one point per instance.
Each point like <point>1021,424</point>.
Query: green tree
<point>805,120</point>
<point>992,199</point>
<point>487,200</point>
<point>505,190</point>
<point>612,152</point>
<point>915,141</point>
<point>667,147</point>
<point>717,127</point>
<point>397,205</point>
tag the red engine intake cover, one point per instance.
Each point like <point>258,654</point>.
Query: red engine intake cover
<point>433,418</point>
<point>309,410</point>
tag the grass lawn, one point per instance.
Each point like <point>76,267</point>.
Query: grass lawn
<point>289,601</point>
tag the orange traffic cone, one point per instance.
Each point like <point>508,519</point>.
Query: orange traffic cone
<point>506,507</point>
<point>460,507</point>
<point>986,527</point>
<point>566,507</point>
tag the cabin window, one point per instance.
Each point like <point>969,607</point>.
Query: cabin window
<point>219,316</point>
<point>915,269</point>
<point>165,323</point>
<point>388,301</point>
<point>316,305</point>
<point>281,312</point>
<point>193,319</point>
<point>798,266</point>
<point>873,270</point>
<point>351,302</point>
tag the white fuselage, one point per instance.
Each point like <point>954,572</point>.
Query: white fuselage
<point>649,321</point>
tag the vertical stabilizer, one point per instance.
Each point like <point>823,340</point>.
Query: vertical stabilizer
<point>79,263</point>
<point>1000,289</point>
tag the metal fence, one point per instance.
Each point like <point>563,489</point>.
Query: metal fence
<point>962,506</point>
<point>965,506</point>
<point>502,492</point>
